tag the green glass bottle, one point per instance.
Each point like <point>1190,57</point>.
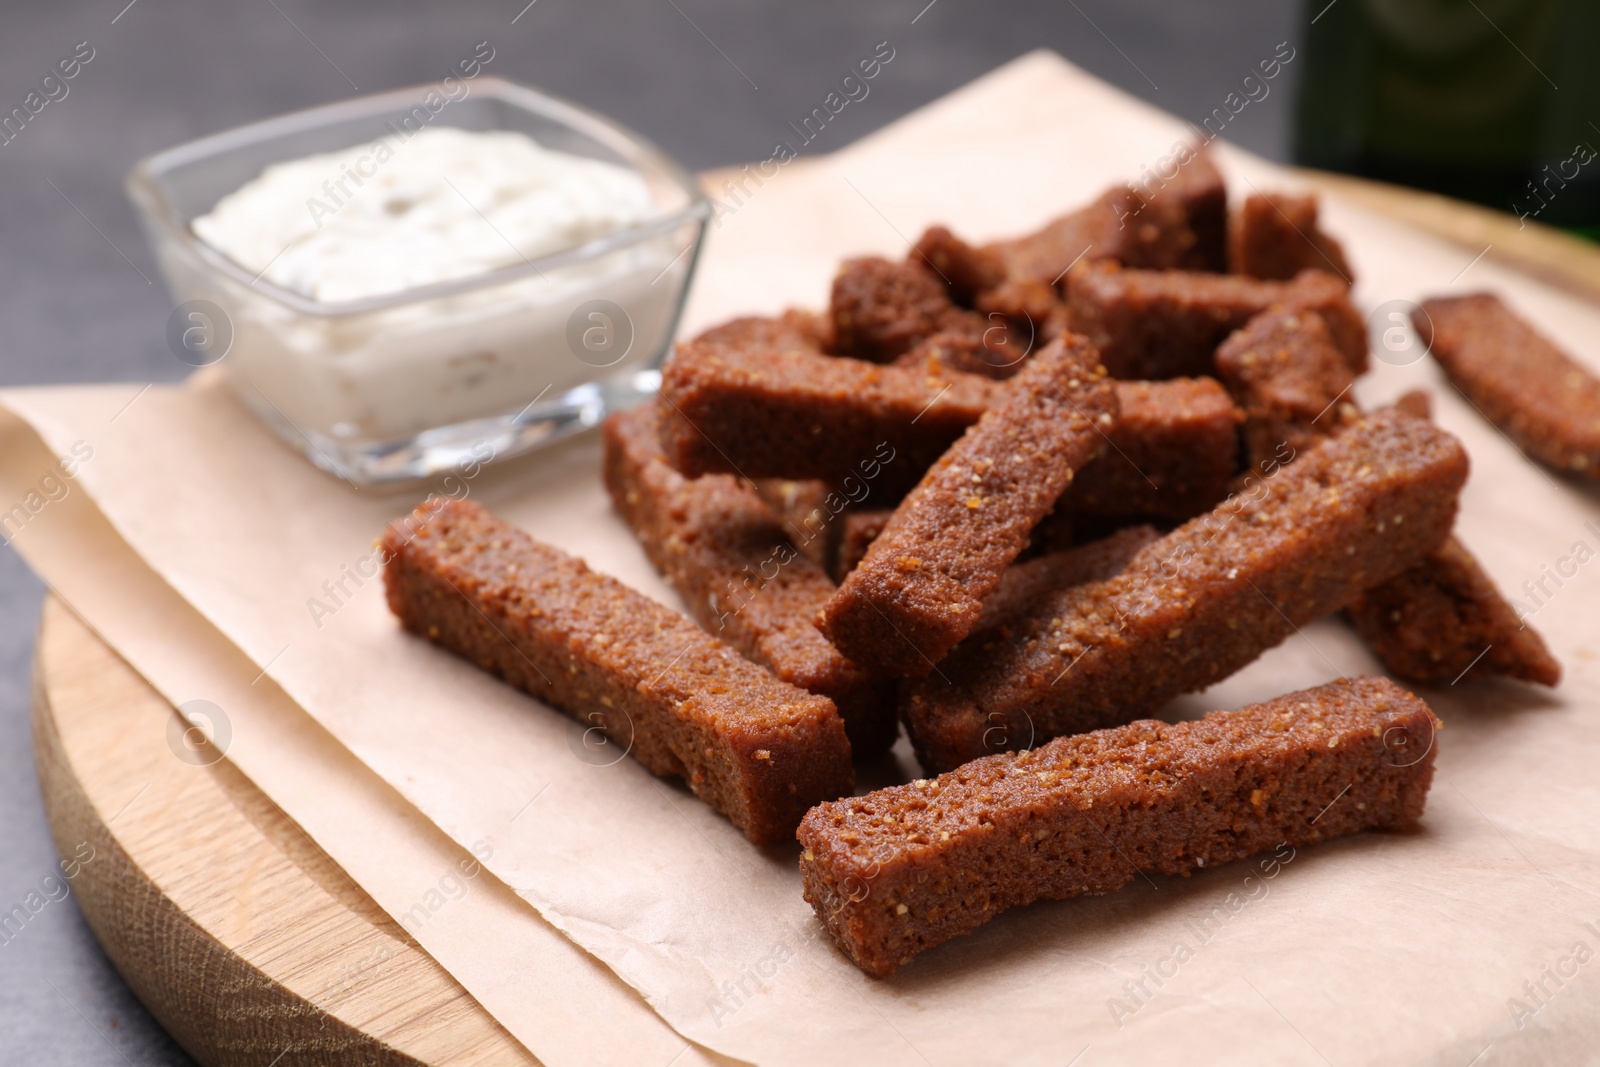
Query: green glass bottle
<point>1494,101</point>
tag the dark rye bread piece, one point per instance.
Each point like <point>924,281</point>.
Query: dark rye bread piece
<point>793,330</point>
<point>1206,599</point>
<point>1202,195</point>
<point>1033,311</point>
<point>1171,455</point>
<point>783,411</point>
<point>923,582</point>
<point>1023,584</point>
<point>1544,400</point>
<point>1418,403</point>
<point>679,701</point>
<point>998,351</point>
<point>1436,620</point>
<point>810,513</point>
<point>741,578</point>
<point>880,308</point>
<point>1117,225</point>
<point>1429,624</point>
<point>1196,190</point>
<point>1276,236</point>
<point>966,271</point>
<point>1163,324</point>
<point>1291,380</point>
<point>861,528</point>
<point>1444,620</point>
<point>896,872</point>
<point>1173,452</point>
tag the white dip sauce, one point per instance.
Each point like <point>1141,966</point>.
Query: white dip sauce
<point>445,203</point>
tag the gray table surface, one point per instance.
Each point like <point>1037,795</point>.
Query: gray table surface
<point>711,81</point>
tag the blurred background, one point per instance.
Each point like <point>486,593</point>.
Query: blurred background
<point>1494,101</point>
<point>1487,99</point>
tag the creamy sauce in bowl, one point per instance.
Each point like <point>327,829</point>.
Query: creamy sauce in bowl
<point>445,204</point>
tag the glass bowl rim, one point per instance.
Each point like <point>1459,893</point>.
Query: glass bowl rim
<point>143,188</point>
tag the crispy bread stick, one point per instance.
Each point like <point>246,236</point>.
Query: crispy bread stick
<point>742,579</point>
<point>784,411</point>
<point>1292,382</point>
<point>896,872</point>
<point>1202,195</point>
<point>1119,225</point>
<point>923,582</point>
<point>1444,620</point>
<point>872,431</point>
<point>880,308</point>
<point>1546,401</point>
<point>1276,236</point>
<point>1172,453</point>
<point>861,528</point>
<point>679,701</point>
<point>1205,600</point>
<point>1163,324</point>
<point>966,271</point>
<point>802,508</point>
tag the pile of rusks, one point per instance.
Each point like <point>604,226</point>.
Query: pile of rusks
<point>1016,498</point>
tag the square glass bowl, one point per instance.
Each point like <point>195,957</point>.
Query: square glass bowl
<point>406,385</point>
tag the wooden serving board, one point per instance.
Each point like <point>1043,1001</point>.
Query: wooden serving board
<point>234,929</point>
<point>240,935</point>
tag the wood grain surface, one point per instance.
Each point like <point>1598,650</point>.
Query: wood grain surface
<point>243,938</point>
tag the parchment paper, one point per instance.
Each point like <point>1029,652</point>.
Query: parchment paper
<point>1467,939</point>
<point>558,1000</point>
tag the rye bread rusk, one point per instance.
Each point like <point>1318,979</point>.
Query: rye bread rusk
<point>682,703</point>
<point>896,872</point>
<point>782,410</point>
<point>923,581</point>
<point>1520,380</point>
<point>1203,601</point>
<point>740,576</point>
